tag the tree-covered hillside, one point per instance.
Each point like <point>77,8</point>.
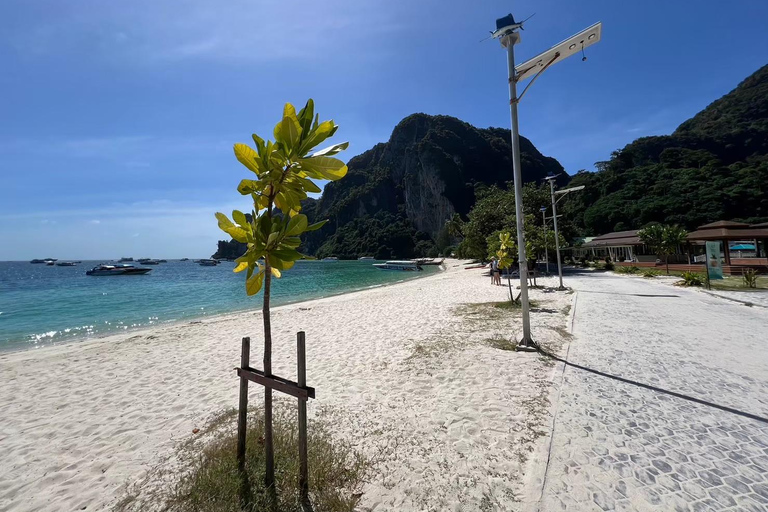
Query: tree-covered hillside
<point>397,196</point>
<point>713,167</point>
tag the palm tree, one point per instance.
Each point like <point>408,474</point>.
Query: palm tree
<point>663,240</point>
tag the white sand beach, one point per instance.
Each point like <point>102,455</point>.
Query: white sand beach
<point>404,371</point>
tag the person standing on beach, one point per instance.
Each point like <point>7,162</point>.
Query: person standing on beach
<point>493,266</point>
<point>497,274</point>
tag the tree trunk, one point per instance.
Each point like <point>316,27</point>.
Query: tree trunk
<point>269,478</point>
<point>509,283</point>
<point>666,259</point>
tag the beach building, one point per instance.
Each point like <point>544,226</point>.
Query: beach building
<point>742,245</point>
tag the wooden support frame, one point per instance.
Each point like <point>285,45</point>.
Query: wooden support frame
<point>299,389</point>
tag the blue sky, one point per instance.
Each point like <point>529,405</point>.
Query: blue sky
<point>118,118</point>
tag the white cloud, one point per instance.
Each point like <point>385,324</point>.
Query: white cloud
<point>94,221</point>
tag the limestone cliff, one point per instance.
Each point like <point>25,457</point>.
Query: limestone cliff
<point>427,171</point>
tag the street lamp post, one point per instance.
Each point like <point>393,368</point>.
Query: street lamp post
<point>507,31</point>
<point>546,241</point>
<point>561,193</point>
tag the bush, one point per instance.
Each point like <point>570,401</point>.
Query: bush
<point>627,270</point>
<point>608,264</point>
<point>692,279</point>
<point>207,479</point>
<point>622,259</point>
<point>749,277</point>
<point>650,273</point>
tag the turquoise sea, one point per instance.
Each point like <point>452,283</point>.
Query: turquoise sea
<point>45,305</point>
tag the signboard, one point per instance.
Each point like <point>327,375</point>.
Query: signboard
<point>714,260</point>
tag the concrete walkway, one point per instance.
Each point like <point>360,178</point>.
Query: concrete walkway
<point>617,446</point>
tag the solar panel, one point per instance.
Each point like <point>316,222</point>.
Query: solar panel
<point>559,52</point>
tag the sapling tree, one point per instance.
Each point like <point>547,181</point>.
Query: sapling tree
<point>284,170</point>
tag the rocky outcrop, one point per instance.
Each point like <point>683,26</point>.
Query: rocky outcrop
<point>428,170</point>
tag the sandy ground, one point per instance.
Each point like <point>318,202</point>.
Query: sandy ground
<point>405,371</point>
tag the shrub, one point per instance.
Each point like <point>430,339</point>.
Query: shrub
<point>608,264</point>
<point>749,277</point>
<point>692,279</point>
<point>627,270</point>
<point>208,480</point>
<point>650,273</point>
<point>622,259</point>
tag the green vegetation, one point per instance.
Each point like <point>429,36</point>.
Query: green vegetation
<point>501,343</point>
<point>692,279</point>
<point>207,480</point>
<point>650,273</point>
<point>284,172</point>
<point>402,195</point>
<point>627,270</point>
<point>749,277</point>
<point>713,167</point>
<point>664,240</point>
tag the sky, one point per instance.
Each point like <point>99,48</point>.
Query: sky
<point>117,119</point>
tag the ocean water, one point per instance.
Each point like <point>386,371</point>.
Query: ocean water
<point>45,305</point>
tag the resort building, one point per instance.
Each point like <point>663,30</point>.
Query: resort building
<point>742,245</point>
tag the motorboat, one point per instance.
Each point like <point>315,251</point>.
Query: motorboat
<point>117,270</point>
<point>405,265</point>
<point>162,261</point>
<point>50,263</point>
<point>331,258</point>
<point>429,261</point>
<point>184,259</point>
<point>67,263</point>
<point>149,261</point>
<point>125,260</point>
<point>365,258</point>
<point>208,263</point>
<point>46,260</point>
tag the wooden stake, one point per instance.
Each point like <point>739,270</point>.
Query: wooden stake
<point>302,381</point>
<point>243,407</point>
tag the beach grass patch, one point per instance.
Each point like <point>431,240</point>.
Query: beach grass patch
<point>206,477</point>
<point>501,343</point>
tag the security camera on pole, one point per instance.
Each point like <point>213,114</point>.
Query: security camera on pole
<point>507,31</point>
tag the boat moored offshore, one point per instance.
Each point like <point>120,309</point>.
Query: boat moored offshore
<point>406,265</point>
<point>117,270</point>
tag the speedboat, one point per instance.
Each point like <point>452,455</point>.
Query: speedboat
<point>117,270</point>
<point>331,258</point>
<point>184,259</point>
<point>67,263</point>
<point>124,260</point>
<point>406,265</point>
<point>364,258</point>
<point>46,260</point>
<point>208,263</point>
<point>148,261</point>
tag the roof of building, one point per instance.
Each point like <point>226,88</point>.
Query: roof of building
<point>615,239</point>
<point>729,230</point>
<point>724,224</point>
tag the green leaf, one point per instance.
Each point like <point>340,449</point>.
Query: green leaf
<point>249,187</point>
<point>254,283</point>
<point>288,130</point>
<point>310,186</point>
<point>305,116</point>
<point>227,226</point>
<point>297,225</point>
<point>318,135</point>
<point>239,218</point>
<point>316,225</point>
<point>331,150</point>
<point>249,158</point>
<point>324,167</point>
<point>240,266</point>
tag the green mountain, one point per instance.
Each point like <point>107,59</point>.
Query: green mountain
<point>397,196</point>
<point>714,166</point>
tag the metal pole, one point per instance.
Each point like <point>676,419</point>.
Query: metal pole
<point>509,42</point>
<point>546,242</point>
<point>557,240</point>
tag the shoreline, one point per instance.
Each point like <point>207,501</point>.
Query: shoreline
<point>409,375</point>
<point>82,339</point>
